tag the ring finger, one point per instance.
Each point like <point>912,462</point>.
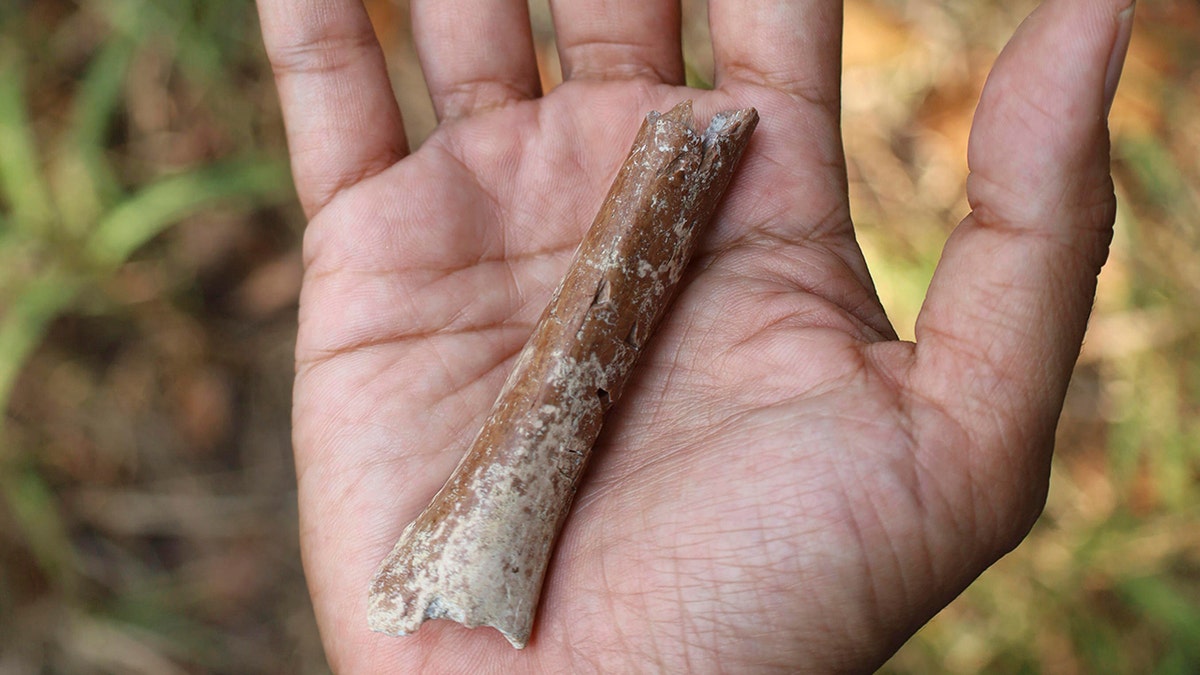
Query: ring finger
<point>476,54</point>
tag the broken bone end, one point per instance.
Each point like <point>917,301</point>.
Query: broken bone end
<point>386,615</point>
<point>729,126</point>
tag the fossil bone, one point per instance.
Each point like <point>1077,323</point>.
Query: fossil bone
<point>478,553</point>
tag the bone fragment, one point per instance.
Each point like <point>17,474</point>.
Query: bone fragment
<point>478,553</point>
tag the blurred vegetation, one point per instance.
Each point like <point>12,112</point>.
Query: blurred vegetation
<point>148,277</point>
<point>149,271</point>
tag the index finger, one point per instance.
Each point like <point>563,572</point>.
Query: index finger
<point>343,123</point>
<point>794,46</point>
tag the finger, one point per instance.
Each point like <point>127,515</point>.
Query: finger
<point>342,121</point>
<point>1002,324</point>
<point>619,39</point>
<point>793,46</point>
<point>788,53</point>
<point>477,55</point>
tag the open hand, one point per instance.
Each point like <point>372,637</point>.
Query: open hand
<point>785,486</point>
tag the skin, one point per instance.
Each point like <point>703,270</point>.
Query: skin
<point>785,485</point>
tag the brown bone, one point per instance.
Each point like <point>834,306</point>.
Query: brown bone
<point>478,553</point>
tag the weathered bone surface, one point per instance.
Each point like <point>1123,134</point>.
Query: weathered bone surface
<point>478,553</point>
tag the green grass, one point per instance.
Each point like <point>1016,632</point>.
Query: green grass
<point>83,194</point>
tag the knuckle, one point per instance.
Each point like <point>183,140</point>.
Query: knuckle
<point>320,54</point>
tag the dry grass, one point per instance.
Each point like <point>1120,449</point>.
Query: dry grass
<point>148,280</point>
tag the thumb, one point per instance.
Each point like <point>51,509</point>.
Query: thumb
<point>1003,321</point>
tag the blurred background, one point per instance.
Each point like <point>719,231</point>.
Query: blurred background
<point>149,272</point>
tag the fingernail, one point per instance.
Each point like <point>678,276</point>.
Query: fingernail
<point>1116,60</point>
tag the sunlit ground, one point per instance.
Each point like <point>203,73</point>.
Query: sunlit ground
<point>149,271</point>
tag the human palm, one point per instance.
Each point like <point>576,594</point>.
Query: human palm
<point>783,485</point>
